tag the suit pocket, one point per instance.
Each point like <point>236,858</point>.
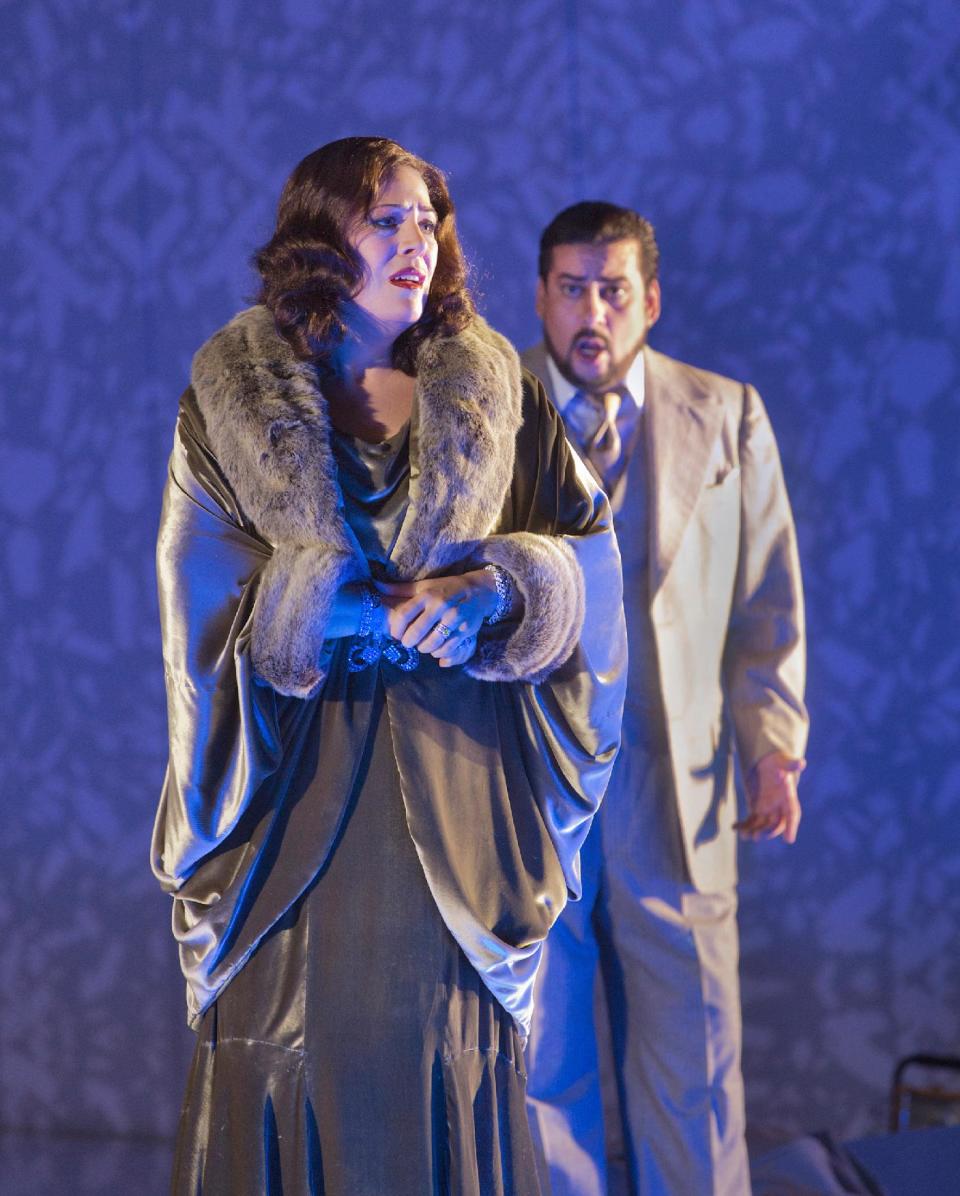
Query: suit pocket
<point>718,516</point>
<point>726,475</point>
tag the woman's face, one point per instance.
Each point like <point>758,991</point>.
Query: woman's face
<point>397,240</point>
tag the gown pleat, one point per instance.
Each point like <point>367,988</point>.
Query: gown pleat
<point>357,1052</point>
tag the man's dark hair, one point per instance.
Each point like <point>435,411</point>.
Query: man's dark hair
<point>309,270</point>
<point>593,222</point>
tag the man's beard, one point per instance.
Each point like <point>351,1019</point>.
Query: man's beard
<point>613,377</point>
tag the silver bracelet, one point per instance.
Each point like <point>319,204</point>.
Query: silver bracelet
<point>367,647</point>
<point>504,583</point>
<point>369,604</point>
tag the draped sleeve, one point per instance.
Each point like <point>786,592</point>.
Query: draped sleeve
<point>571,701</point>
<point>223,727</point>
<point>231,606</point>
<point>503,767</point>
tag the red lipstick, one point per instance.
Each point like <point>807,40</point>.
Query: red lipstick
<point>409,279</point>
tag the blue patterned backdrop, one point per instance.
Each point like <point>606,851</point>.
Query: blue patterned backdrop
<point>801,161</point>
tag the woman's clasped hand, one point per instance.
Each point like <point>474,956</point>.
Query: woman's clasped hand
<point>440,616</point>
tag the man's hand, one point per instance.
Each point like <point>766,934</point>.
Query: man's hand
<point>440,615</point>
<point>774,807</point>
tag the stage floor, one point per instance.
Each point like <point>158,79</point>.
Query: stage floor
<point>35,1164</point>
<point>918,1163</point>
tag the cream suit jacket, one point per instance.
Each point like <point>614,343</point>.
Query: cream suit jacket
<point>725,596</point>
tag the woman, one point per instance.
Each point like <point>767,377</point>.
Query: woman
<point>393,645</point>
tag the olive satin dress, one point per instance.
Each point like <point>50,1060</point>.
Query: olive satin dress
<point>357,1052</point>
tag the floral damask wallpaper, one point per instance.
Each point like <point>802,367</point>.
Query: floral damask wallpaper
<point>801,161</point>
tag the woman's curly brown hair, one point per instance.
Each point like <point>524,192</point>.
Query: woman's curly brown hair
<point>310,271</point>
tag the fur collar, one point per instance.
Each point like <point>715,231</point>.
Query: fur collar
<point>269,428</point>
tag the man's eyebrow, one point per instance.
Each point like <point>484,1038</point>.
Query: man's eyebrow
<point>621,279</point>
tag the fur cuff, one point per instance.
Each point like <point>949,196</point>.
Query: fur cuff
<point>547,574</point>
<point>296,594</point>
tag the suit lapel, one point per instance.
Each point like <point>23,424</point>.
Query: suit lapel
<point>683,421</point>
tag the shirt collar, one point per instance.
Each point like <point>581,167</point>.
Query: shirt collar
<point>563,390</point>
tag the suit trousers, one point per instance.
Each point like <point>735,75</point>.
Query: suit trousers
<point>664,959</point>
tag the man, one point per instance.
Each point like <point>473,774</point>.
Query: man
<point>715,621</point>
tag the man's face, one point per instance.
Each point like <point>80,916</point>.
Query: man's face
<point>596,311</point>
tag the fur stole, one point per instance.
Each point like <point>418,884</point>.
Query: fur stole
<point>269,428</point>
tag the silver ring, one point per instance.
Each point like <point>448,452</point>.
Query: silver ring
<point>443,630</point>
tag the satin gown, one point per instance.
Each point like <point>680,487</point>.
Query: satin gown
<point>358,1052</point>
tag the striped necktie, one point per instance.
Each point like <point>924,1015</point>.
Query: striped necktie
<point>593,420</point>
